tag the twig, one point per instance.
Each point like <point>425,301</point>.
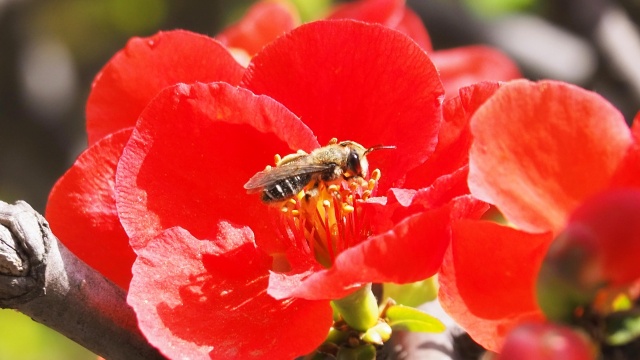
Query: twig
<point>42,279</point>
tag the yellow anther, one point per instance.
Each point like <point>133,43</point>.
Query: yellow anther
<point>366,194</point>
<point>347,209</point>
<point>333,141</point>
<point>277,158</point>
<point>353,186</point>
<point>267,168</point>
<point>326,203</point>
<point>333,188</point>
<point>295,212</point>
<point>371,184</point>
<point>376,174</point>
<point>292,201</point>
<point>284,209</point>
<point>299,196</point>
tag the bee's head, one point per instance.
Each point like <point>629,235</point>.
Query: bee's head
<point>356,162</point>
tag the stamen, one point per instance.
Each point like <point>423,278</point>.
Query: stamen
<point>333,141</point>
<point>371,184</point>
<point>327,230</point>
<point>376,174</point>
<point>325,219</point>
<point>353,186</point>
<point>277,158</point>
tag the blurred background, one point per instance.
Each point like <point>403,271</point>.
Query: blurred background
<point>50,50</point>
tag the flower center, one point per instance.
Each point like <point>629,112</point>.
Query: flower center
<point>325,218</point>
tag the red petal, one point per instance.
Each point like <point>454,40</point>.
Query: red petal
<point>488,276</point>
<point>193,149</point>
<point>454,139</point>
<point>628,173</point>
<point>400,255</point>
<point>391,13</point>
<point>147,65</point>
<point>196,300</point>
<point>610,223</point>
<point>411,25</point>
<point>82,210</point>
<point>467,65</point>
<point>350,88</point>
<point>412,250</point>
<point>541,148</point>
<point>263,22</point>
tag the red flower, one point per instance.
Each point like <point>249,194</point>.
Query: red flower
<point>458,67</point>
<point>540,150</point>
<point>205,282</point>
<point>263,23</point>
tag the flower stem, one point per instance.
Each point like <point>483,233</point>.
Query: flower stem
<point>359,309</point>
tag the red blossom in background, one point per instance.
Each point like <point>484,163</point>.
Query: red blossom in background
<point>203,244</point>
<point>458,67</point>
<point>263,23</point>
<point>539,151</point>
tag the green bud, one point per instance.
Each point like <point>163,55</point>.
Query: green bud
<point>378,334</point>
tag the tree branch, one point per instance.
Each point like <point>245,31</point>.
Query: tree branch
<point>42,279</point>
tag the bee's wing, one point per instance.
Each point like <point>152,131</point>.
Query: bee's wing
<point>265,178</point>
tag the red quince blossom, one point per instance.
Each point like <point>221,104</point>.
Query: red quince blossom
<point>541,153</point>
<point>458,67</point>
<point>263,23</point>
<point>213,274</point>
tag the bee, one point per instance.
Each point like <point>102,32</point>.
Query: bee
<point>294,172</point>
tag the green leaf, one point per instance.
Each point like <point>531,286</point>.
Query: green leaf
<point>312,9</point>
<point>412,294</point>
<point>411,319</point>
<point>622,328</point>
<point>494,8</point>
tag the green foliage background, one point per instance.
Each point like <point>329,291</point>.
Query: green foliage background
<point>23,339</point>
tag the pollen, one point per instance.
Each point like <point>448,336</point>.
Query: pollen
<point>325,219</point>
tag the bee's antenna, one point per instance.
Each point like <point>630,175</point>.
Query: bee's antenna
<point>379,147</point>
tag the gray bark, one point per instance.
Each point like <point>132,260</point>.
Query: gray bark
<point>42,279</point>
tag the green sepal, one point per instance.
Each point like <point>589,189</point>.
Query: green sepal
<point>412,294</point>
<point>336,336</point>
<point>363,352</point>
<point>411,319</point>
<point>378,334</point>
<point>360,309</point>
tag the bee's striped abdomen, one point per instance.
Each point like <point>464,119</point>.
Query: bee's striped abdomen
<point>285,188</point>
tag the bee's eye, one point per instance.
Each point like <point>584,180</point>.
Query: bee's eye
<point>353,162</point>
